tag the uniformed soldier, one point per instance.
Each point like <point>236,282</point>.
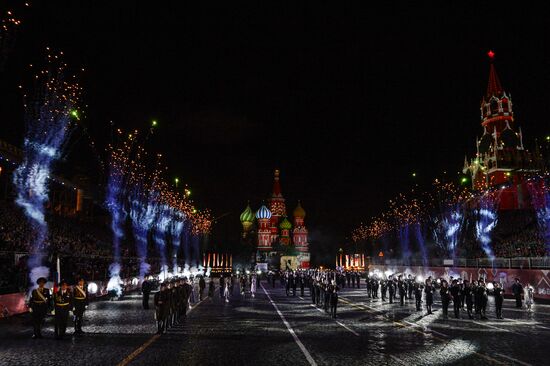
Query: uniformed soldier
<point>429,291</point>
<point>161,306</point>
<point>499,298</point>
<point>211,288</point>
<point>384,289</point>
<point>445,298</point>
<point>202,286</point>
<point>146,291</point>
<point>469,297</point>
<point>401,288</point>
<point>333,299</point>
<point>63,303</point>
<point>39,305</point>
<point>455,295</point>
<point>80,303</point>
<point>391,289</point>
<point>418,295</point>
<point>410,286</point>
<point>186,294</point>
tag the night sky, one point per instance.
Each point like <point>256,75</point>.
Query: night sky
<point>347,101</point>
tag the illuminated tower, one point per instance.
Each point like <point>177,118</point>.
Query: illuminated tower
<point>501,160</point>
<point>299,234</point>
<point>277,206</point>
<point>264,233</point>
<point>285,231</point>
<point>247,219</point>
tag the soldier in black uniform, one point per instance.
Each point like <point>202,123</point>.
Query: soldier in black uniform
<point>358,280</point>
<point>468,292</point>
<point>312,289</point>
<point>429,291</point>
<point>410,286</point>
<point>302,284</point>
<point>384,289</point>
<point>455,294</point>
<point>391,289</point>
<point>445,298</point>
<point>369,287</point>
<point>294,283</point>
<point>80,303</point>
<point>161,306</point>
<point>211,288</point>
<point>327,296</point>
<point>481,299</point>
<point>517,290</point>
<point>202,286</point>
<point>222,286</point>
<point>39,304</point>
<point>401,288</point>
<point>186,294</point>
<point>333,299</point>
<point>146,291</point>
<point>63,303</point>
<point>418,295</point>
<point>499,298</point>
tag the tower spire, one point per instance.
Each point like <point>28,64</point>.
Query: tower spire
<point>493,87</point>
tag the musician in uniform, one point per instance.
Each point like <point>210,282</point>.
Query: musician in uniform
<point>499,298</point>
<point>63,303</point>
<point>39,304</point>
<point>468,291</point>
<point>455,294</point>
<point>161,307</point>
<point>80,303</point>
<point>429,291</point>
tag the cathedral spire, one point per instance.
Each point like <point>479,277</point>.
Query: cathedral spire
<point>493,87</point>
<point>276,185</point>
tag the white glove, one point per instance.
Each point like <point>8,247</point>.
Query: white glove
<point>86,307</point>
<point>30,310</point>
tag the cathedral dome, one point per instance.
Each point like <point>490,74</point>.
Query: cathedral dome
<point>285,224</point>
<point>263,213</point>
<point>509,138</point>
<point>247,215</point>
<point>299,211</point>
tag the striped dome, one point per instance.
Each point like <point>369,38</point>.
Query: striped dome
<point>285,224</point>
<point>263,213</point>
<point>247,215</point>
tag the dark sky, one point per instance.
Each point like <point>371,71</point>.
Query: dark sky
<point>346,100</point>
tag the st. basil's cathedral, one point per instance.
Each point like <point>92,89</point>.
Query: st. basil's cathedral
<point>277,236</point>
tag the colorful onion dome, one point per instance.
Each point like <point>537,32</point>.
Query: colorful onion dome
<point>247,215</point>
<point>263,213</point>
<point>285,224</point>
<point>299,211</point>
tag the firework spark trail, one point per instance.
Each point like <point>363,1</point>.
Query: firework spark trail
<point>175,230</point>
<point>48,123</point>
<point>160,230</point>
<point>486,221</point>
<point>421,243</point>
<point>120,173</point>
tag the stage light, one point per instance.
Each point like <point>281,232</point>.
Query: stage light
<point>92,288</point>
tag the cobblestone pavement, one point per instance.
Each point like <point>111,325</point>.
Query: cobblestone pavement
<point>273,329</point>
